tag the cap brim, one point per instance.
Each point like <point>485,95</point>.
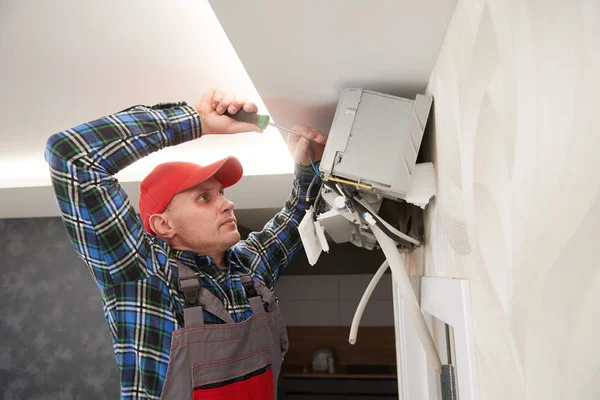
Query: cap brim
<point>227,171</point>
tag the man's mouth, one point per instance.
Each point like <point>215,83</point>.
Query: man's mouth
<point>229,221</point>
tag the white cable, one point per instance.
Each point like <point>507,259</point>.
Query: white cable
<point>364,300</point>
<point>400,277</point>
<point>310,186</point>
<point>390,227</point>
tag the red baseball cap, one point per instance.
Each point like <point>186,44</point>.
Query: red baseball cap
<point>166,180</point>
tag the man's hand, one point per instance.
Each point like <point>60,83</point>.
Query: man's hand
<point>310,143</point>
<point>214,103</point>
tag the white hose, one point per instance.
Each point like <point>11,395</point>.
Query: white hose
<point>400,276</point>
<point>390,227</point>
<point>364,300</point>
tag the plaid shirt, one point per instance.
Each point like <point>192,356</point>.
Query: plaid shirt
<point>135,271</point>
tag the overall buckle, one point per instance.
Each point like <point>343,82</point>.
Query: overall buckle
<point>190,286</point>
<point>248,285</point>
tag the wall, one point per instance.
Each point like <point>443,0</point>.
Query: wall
<point>331,300</point>
<point>55,342</point>
<point>515,141</point>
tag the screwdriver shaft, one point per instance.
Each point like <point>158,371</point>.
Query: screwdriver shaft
<point>284,129</point>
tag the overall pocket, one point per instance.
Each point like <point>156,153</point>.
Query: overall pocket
<point>245,377</point>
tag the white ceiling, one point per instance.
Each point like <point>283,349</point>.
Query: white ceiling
<point>68,62</point>
<point>72,61</point>
<point>300,54</point>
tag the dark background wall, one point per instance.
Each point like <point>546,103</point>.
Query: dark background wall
<point>55,342</point>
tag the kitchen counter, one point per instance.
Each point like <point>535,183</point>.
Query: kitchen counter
<point>359,382</point>
<point>341,372</point>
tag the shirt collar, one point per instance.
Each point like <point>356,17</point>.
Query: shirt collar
<point>205,264</point>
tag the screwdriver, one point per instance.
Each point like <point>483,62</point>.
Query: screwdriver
<point>257,119</point>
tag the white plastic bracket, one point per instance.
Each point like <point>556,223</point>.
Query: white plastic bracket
<point>448,300</point>
<point>313,237</point>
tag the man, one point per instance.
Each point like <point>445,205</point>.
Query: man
<point>190,306</point>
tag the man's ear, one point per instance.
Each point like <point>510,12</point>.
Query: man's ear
<point>161,226</point>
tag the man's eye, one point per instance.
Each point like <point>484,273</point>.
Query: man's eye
<point>203,197</point>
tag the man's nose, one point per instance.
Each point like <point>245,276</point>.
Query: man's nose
<point>227,205</point>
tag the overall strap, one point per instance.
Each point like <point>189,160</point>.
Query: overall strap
<point>253,297</point>
<point>258,294</point>
<point>198,299</point>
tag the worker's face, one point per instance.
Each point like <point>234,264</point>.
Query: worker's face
<point>202,219</point>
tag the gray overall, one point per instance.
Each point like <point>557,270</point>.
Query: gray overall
<point>225,361</point>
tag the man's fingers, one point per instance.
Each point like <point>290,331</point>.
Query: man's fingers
<point>214,103</point>
<point>221,101</point>
<point>250,108</point>
<point>318,136</point>
<point>310,133</point>
<point>217,97</point>
<point>237,103</point>
<point>308,142</point>
<point>292,140</point>
<point>304,131</point>
<point>301,150</point>
<point>224,103</point>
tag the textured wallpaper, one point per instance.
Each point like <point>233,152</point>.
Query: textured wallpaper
<point>55,342</point>
<point>516,146</point>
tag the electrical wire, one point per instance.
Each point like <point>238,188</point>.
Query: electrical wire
<point>361,185</point>
<point>314,167</point>
<point>405,240</point>
<point>347,203</point>
<point>352,202</point>
<point>332,187</point>
<point>389,230</point>
<point>310,187</point>
<point>317,200</point>
<point>394,231</point>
